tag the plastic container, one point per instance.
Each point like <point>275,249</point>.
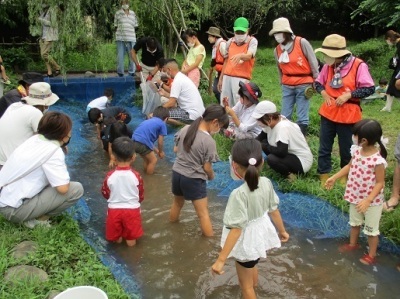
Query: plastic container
<point>82,292</point>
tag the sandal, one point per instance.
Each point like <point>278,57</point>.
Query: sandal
<point>368,260</point>
<point>387,207</point>
<point>348,247</point>
<point>56,73</point>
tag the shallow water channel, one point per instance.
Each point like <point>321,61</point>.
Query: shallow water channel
<point>174,260</point>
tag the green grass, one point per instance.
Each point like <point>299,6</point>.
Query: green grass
<point>62,253</point>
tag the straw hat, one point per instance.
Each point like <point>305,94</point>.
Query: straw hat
<point>40,94</point>
<point>214,31</point>
<point>280,25</point>
<point>334,46</point>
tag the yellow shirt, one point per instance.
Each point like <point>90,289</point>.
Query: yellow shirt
<point>194,52</point>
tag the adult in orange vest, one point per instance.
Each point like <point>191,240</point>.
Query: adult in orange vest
<point>239,61</point>
<point>342,82</point>
<point>297,68</point>
<point>217,59</point>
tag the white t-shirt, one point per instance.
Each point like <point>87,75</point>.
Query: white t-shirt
<point>35,164</point>
<point>187,96</point>
<point>100,103</point>
<point>19,122</point>
<point>289,133</point>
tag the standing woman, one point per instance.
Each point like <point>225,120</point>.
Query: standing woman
<point>342,82</point>
<point>195,57</point>
<point>393,39</point>
<point>35,180</point>
<point>297,68</point>
<point>126,22</point>
<point>195,152</point>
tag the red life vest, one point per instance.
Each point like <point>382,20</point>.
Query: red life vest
<point>349,112</point>
<point>241,70</point>
<point>297,71</point>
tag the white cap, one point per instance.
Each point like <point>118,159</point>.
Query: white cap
<point>262,108</point>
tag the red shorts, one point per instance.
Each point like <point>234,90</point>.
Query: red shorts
<point>125,223</point>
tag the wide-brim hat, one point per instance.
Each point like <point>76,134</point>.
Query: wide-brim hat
<point>251,91</point>
<point>40,94</point>
<point>280,25</point>
<point>214,31</point>
<point>30,78</point>
<point>262,108</point>
<point>334,46</point>
<point>241,24</point>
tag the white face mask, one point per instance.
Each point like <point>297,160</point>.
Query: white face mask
<point>355,139</point>
<point>234,175</point>
<point>279,38</point>
<point>212,40</point>
<point>389,42</point>
<point>190,45</point>
<point>125,6</point>
<point>329,60</point>
<point>240,38</point>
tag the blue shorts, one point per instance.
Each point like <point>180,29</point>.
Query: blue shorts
<point>190,189</point>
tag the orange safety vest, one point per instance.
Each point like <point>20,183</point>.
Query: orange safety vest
<point>297,71</point>
<point>241,70</point>
<point>219,59</point>
<point>349,112</point>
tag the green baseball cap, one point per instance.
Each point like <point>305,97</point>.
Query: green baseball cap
<point>241,24</point>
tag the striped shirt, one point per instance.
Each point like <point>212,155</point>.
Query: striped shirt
<point>125,24</point>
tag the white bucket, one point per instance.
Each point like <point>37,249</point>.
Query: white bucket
<point>82,292</point>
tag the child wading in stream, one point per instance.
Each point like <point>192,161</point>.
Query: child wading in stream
<point>364,188</point>
<point>248,232</point>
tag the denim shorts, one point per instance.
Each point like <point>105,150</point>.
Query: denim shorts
<point>190,189</point>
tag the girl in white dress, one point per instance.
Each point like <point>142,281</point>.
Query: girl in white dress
<point>248,232</point>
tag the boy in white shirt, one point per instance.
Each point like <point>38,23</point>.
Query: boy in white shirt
<point>102,102</point>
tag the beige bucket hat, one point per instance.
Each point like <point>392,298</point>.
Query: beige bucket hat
<point>40,94</point>
<point>334,46</point>
<point>280,25</point>
<point>214,31</point>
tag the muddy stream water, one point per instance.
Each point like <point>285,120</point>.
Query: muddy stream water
<point>173,260</point>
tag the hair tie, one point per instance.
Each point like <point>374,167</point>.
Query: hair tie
<point>252,161</point>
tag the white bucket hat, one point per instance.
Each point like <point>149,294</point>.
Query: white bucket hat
<point>40,94</point>
<point>334,46</point>
<point>262,108</point>
<point>280,25</point>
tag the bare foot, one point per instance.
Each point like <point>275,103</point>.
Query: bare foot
<point>131,243</point>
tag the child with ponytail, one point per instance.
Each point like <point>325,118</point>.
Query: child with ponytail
<point>248,232</point>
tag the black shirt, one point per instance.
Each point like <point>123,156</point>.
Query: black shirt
<point>149,59</point>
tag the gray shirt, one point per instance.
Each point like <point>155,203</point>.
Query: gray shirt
<point>203,150</point>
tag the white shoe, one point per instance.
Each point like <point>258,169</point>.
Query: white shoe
<point>384,109</point>
<point>34,222</point>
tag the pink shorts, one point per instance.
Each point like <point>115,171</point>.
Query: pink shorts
<point>125,223</point>
<point>194,75</point>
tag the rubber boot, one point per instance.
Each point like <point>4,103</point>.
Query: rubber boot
<point>388,105</point>
<point>323,178</point>
<point>304,129</point>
